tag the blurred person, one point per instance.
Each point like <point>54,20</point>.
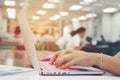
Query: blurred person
<point>37,35</point>
<point>6,36</point>
<point>77,42</point>
<point>17,35</point>
<point>63,40</point>
<point>48,36</point>
<point>17,32</point>
<point>67,58</point>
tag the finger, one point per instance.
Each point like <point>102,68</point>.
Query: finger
<point>63,59</point>
<point>67,64</point>
<point>61,55</point>
<point>52,59</point>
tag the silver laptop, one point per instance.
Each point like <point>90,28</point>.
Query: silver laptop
<point>45,68</point>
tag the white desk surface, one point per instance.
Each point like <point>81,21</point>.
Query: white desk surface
<point>33,75</point>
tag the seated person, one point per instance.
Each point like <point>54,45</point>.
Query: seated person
<point>17,32</point>
<point>48,36</point>
<point>67,58</point>
<point>62,41</point>
<point>77,42</point>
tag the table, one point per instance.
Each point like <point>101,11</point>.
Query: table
<point>17,45</point>
<point>33,75</point>
<point>18,57</point>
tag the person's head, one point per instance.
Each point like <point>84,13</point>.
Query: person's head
<point>81,31</point>
<point>73,33</point>
<point>17,30</point>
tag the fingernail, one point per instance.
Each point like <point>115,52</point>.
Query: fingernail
<point>61,67</point>
<point>57,66</point>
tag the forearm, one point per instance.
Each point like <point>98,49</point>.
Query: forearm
<point>77,48</point>
<point>109,63</point>
<point>117,55</point>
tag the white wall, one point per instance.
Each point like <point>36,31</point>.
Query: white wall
<point>92,30</point>
<point>111,26</point>
<point>4,25</point>
<point>107,26</point>
<point>88,25</point>
<point>115,26</point>
<point>76,24</point>
<point>0,20</point>
<point>3,22</point>
<point>97,27</point>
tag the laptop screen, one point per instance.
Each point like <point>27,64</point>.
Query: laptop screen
<point>28,36</point>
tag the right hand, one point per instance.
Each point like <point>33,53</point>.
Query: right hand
<point>66,58</point>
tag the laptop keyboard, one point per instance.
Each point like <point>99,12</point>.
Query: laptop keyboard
<point>48,67</point>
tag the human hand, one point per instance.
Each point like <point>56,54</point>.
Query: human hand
<point>57,55</point>
<point>66,58</point>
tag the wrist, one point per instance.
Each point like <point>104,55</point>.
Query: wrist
<point>96,59</point>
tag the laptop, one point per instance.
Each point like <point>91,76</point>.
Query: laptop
<point>45,68</point>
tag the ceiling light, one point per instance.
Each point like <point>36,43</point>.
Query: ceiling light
<point>11,13</point>
<point>91,15</point>
<point>48,5</point>
<point>53,19</point>
<point>89,1</point>
<point>84,3</point>
<point>55,1</point>
<point>110,10</point>
<point>86,9</point>
<point>10,10</point>
<point>56,16</point>
<point>82,18</point>
<point>75,19</point>
<point>41,12</point>
<point>64,13</point>
<point>75,7</point>
<point>12,16</point>
<point>9,3</point>
<point>35,17</point>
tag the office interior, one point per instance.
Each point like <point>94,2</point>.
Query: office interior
<point>51,19</point>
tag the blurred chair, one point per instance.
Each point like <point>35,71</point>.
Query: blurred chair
<point>89,39</point>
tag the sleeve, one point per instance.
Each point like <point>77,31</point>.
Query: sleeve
<point>77,42</point>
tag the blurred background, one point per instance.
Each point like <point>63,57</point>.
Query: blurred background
<point>51,19</point>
